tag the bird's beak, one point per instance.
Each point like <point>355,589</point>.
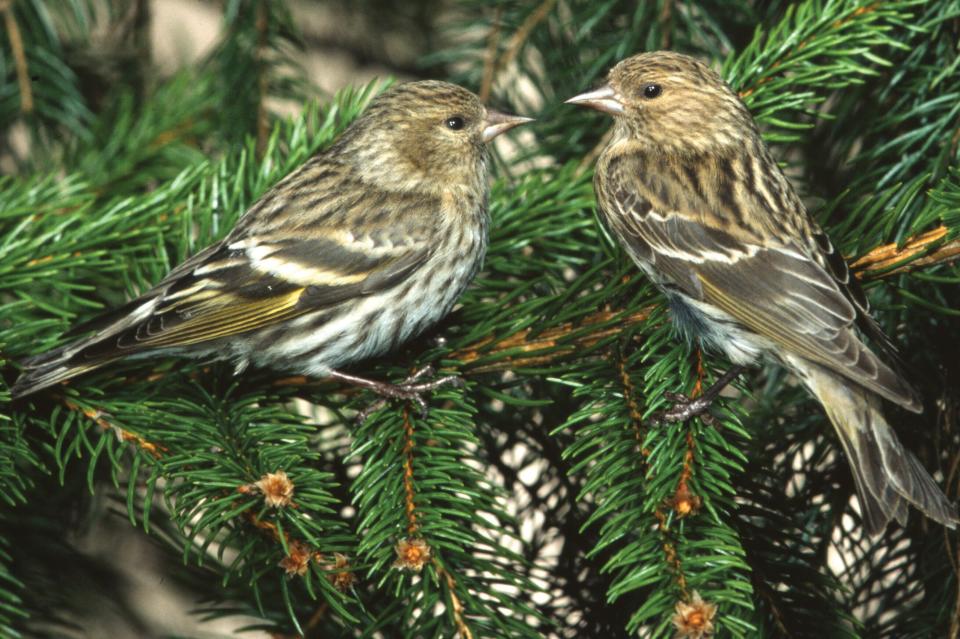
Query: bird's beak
<point>603,99</point>
<point>497,123</point>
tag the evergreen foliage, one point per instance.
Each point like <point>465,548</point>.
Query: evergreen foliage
<point>540,499</point>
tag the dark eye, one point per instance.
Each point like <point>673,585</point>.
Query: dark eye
<point>652,91</point>
<point>456,123</point>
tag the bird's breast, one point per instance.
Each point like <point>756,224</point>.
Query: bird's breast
<point>375,324</point>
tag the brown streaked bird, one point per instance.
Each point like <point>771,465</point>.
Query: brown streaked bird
<point>363,247</point>
<point>689,188</point>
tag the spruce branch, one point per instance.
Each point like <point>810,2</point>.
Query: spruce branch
<point>917,252</point>
<point>100,419</point>
<point>559,334</point>
<point>408,487</point>
<point>530,348</point>
<point>456,607</point>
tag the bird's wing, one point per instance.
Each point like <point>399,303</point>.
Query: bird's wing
<point>773,285</point>
<point>233,293</point>
<point>265,272</point>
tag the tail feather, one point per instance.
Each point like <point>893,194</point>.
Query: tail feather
<point>86,354</point>
<point>54,366</point>
<point>888,477</point>
<point>62,363</point>
<point>32,380</point>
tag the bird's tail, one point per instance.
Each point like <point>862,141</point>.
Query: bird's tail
<point>888,477</point>
<point>85,354</point>
<point>52,368</point>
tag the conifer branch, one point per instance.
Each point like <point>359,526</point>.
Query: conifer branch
<point>99,418</point>
<point>770,70</point>
<point>521,35</point>
<point>531,348</point>
<point>633,407</point>
<point>408,488</point>
<point>888,256</point>
<point>456,607</point>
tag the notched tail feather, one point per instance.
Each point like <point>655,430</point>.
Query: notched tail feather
<point>78,357</point>
<point>54,372</point>
<point>888,477</point>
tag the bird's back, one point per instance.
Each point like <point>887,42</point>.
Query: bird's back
<point>730,241</point>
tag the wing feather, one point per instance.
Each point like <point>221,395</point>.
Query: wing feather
<point>775,285</point>
<point>259,275</point>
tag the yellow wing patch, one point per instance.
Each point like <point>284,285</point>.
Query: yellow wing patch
<point>227,315</point>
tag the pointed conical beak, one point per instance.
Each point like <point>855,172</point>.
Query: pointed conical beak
<point>603,99</point>
<point>497,123</point>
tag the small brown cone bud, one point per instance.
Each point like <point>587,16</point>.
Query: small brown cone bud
<point>340,574</point>
<point>685,502</point>
<point>694,620</point>
<point>412,554</point>
<point>298,560</point>
<point>276,488</point>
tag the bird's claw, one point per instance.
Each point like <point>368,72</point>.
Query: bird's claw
<point>684,408</point>
<point>410,389</point>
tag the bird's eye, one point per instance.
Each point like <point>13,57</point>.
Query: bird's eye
<point>456,123</point>
<point>652,91</point>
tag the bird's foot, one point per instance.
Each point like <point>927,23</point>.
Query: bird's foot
<point>685,407</point>
<point>410,389</point>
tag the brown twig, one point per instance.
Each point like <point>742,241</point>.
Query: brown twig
<point>521,35</point>
<point>527,348</point>
<point>670,553</point>
<point>637,423</point>
<point>98,417</point>
<point>409,495</point>
<point>414,542</point>
<point>889,255</point>
<point>493,65</point>
<point>633,407</point>
<point>19,56</point>
<point>698,386</point>
<point>262,26</point>
<point>456,607</point>
<point>684,503</point>
<point>490,55</point>
<point>665,19</point>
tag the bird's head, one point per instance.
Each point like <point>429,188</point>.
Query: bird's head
<point>427,135</point>
<point>671,101</point>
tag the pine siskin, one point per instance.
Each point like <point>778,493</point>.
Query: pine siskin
<point>363,247</point>
<point>689,188</point>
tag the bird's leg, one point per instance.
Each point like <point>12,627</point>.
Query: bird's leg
<point>685,407</point>
<point>411,388</point>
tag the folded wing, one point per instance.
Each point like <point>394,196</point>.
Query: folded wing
<point>774,285</point>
